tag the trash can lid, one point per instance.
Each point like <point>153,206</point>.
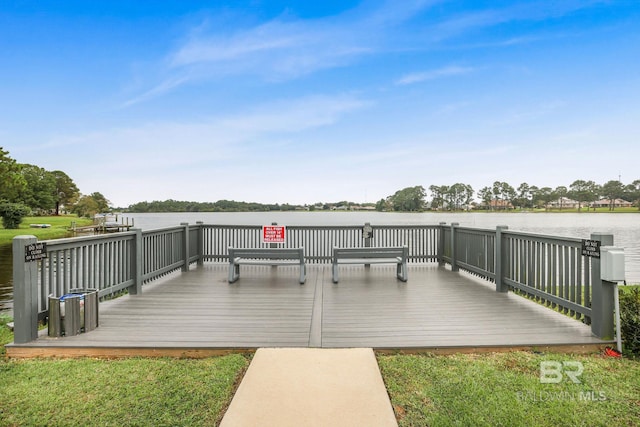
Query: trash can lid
<point>72,295</point>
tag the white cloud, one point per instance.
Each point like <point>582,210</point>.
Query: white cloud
<point>283,48</point>
<point>418,77</point>
<point>168,158</point>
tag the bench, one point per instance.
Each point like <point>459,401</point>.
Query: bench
<point>265,256</point>
<point>397,255</point>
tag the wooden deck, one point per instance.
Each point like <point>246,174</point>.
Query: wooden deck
<point>197,313</point>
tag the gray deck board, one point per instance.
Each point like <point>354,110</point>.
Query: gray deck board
<point>369,307</point>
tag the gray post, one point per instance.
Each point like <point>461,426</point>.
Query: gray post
<point>499,259</point>
<point>25,292</point>
<point>441,244</point>
<point>602,302</point>
<point>200,242</point>
<point>185,246</point>
<point>454,262</point>
<point>136,263</point>
<point>367,238</point>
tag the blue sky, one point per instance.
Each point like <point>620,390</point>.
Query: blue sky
<point>301,102</point>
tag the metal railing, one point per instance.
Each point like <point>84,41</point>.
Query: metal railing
<point>550,270</point>
<point>319,241</point>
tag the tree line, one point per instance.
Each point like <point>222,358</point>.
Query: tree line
<point>29,189</point>
<point>502,196</point>
<point>219,206</point>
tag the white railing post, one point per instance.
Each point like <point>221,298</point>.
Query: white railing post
<point>25,291</point>
<point>500,257</point>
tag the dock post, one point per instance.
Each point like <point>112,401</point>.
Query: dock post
<point>185,246</point>
<point>602,296</point>
<point>136,263</point>
<point>25,291</point>
<point>454,262</point>
<point>500,257</point>
<point>441,244</point>
<point>200,242</point>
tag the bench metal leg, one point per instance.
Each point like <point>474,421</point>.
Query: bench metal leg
<point>335,273</point>
<point>303,273</point>
<point>401,271</point>
<point>234,272</point>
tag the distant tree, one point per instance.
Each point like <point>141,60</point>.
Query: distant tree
<point>40,192</point>
<point>583,192</point>
<point>486,195</point>
<point>503,192</point>
<point>410,199</point>
<point>544,196</point>
<point>561,193</point>
<point>612,190</point>
<point>531,196</point>
<point>86,206</point>
<point>632,192</point>
<point>459,195</point>
<point>12,183</point>
<point>66,192</point>
<point>438,196</point>
<point>522,197</point>
<point>91,205</point>
<point>102,203</point>
<point>382,205</point>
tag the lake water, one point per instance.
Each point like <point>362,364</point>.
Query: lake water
<point>625,227</point>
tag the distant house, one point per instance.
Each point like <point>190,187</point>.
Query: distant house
<point>500,204</point>
<point>363,208</point>
<point>617,203</point>
<point>564,203</point>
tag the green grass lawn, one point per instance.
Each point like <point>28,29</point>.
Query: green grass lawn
<point>153,392</point>
<point>132,391</point>
<point>495,389</point>
<point>504,389</point>
<point>59,227</point>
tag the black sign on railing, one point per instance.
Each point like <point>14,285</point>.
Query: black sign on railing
<point>591,248</point>
<point>35,252</point>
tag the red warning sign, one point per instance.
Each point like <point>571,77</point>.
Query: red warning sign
<point>273,233</point>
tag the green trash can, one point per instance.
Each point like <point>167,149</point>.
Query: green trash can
<point>73,313</point>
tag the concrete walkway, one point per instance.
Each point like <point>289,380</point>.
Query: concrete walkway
<point>311,387</point>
